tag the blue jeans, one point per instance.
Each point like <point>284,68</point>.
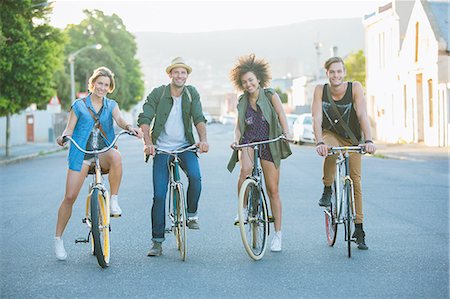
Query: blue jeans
<point>189,164</point>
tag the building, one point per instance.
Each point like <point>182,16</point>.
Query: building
<point>408,54</point>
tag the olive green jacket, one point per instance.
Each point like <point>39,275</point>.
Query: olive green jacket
<point>157,107</point>
<point>280,149</point>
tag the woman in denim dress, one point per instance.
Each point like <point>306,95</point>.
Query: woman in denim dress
<point>79,126</point>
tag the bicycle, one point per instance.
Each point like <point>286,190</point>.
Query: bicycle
<point>177,212</point>
<point>97,215</point>
<point>342,208</point>
<point>253,212</point>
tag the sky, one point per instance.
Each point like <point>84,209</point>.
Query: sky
<point>190,16</point>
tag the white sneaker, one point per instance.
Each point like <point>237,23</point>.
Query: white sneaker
<point>276,242</point>
<point>236,220</point>
<point>60,252</point>
<point>115,210</point>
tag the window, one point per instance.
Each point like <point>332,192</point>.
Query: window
<point>416,58</point>
<point>405,106</point>
<point>430,102</point>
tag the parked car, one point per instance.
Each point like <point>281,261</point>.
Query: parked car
<point>303,129</point>
<point>291,118</point>
<point>228,120</point>
<point>209,119</point>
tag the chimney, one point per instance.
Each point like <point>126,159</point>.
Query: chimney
<point>334,51</point>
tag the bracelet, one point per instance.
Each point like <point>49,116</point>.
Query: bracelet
<point>368,141</point>
<point>320,143</point>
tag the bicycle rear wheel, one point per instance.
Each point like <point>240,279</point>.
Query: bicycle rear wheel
<point>180,221</point>
<point>348,218</point>
<point>99,227</point>
<point>331,218</point>
<point>253,219</point>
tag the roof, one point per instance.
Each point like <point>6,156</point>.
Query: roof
<point>438,12</point>
<point>403,10</point>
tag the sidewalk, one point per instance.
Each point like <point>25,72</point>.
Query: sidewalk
<point>413,152</point>
<point>27,151</point>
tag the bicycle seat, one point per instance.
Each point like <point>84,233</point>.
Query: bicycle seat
<point>92,169</point>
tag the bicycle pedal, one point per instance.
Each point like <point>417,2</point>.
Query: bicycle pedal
<point>81,240</point>
<point>115,215</point>
<point>271,219</point>
<point>84,220</point>
<point>168,230</point>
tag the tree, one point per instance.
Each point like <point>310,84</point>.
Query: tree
<point>355,65</point>
<point>30,52</point>
<point>117,53</point>
<point>283,96</point>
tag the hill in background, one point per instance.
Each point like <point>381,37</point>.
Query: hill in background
<point>290,50</point>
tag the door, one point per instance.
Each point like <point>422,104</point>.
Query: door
<point>30,128</point>
<point>419,99</point>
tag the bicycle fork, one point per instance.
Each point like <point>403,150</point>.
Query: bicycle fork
<point>86,219</point>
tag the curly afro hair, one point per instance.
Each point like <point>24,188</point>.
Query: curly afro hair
<point>249,63</point>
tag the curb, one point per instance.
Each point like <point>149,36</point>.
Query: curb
<point>18,159</point>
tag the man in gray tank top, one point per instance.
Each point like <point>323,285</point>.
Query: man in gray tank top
<point>328,130</point>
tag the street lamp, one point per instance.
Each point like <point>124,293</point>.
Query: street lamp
<point>72,72</point>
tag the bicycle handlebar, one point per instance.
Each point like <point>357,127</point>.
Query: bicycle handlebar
<point>103,150</point>
<point>192,148</point>
<point>252,144</point>
<point>354,149</point>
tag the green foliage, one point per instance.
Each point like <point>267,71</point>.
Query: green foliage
<point>283,96</point>
<point>117,53</point>
<point>30,52</point>
<point>355,65</point>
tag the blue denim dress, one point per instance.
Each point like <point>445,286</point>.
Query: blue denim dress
<point>84,126</point>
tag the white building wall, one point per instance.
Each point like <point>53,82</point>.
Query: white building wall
<point>426,68</point>
<point>18,134</point>
<point>42,124</point>
<point>382,92</point>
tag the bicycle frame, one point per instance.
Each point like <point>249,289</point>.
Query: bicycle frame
<point>342,209</point>
<point>177,202</point>
<point>97,204</point>
<point>253,212</point>
<point>343,201</point>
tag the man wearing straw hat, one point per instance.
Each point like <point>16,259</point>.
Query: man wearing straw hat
<point>166,121</point>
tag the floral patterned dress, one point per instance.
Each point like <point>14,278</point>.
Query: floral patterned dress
<point>257,129</point>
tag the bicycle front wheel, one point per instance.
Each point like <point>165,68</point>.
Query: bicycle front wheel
<point>253,219</point>
<point>99,227</point>
<point>348,218</point>
<point>180,221</point>
<point>331,218</point>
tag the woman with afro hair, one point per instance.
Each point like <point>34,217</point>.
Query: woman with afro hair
<point>260,117</point>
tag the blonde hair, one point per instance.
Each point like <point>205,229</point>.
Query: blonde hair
<point>102,72</point>
<point>332,60</point>
<point>249,63</point>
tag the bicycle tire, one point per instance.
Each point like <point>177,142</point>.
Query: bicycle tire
<point>88,221</point>
<point>331,218</point>
<point>348,220</point>
<point>99,228</point>
<point>254,228</point>
<point>180,222</point>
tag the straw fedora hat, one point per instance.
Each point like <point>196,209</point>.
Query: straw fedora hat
<point>178,62</point>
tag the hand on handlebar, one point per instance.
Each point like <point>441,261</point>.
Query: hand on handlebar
<point>149,150</point>
<point>369,147</point>
<point>233,145</point>
<point>322,149</point>
<point>203,147</point>
<point>136,132</point>
<point>61,140</point>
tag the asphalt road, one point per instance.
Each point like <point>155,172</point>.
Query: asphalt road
<point>406,223</point>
